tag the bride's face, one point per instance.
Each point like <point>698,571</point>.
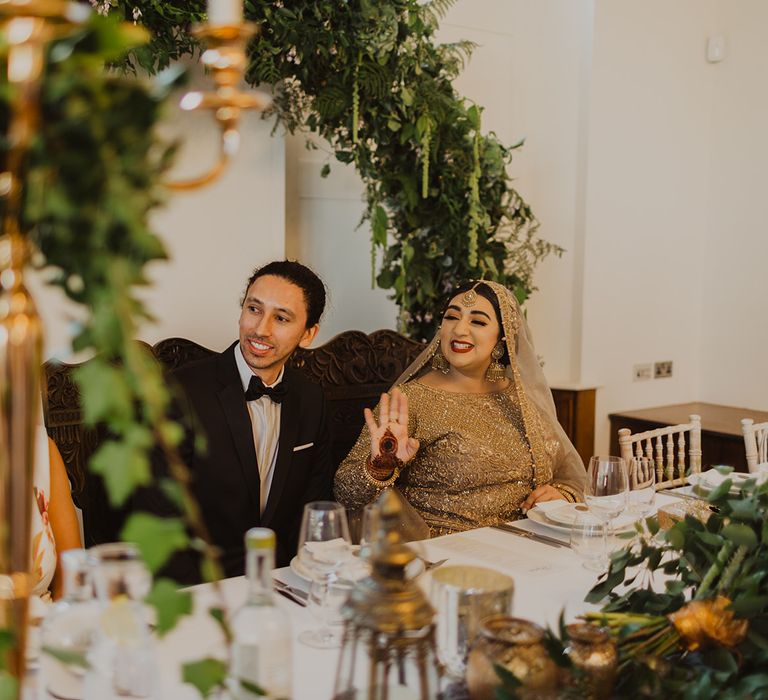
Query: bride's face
<point>468,334</point>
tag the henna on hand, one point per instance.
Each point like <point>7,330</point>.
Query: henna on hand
<point>383,466</point>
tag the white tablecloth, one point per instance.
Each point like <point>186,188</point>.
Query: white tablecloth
<point>548,580</point>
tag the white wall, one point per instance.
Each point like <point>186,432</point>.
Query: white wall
<point>322,217</point>
<point>530,73</point>
<point>647,197</point>
<point>735,281</point>
<point>214,236</point>
<point>643,160</point>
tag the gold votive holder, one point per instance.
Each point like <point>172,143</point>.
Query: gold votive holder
<point>593,654</point>
<point>672,513</point>
<point>517,645</point>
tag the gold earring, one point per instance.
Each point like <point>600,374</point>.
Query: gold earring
<point>495,371</point>
<point>440,363</point>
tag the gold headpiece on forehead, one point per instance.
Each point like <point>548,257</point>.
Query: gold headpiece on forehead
<point>469,298</point>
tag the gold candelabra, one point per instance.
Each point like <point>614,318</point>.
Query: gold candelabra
<point>226,59</point>
<point>28,26</point>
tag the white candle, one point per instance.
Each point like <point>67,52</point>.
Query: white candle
<point>225,12</point>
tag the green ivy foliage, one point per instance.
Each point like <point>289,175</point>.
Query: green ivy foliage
<point>370,78</point>
<point>92,177</point>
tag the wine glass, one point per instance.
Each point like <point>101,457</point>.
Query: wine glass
<point>606,491</point>
<point>324,548</point>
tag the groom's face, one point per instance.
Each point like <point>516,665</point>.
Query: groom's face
<point>273,323</point>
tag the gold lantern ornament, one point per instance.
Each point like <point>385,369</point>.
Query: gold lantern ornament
<point>388,649</point>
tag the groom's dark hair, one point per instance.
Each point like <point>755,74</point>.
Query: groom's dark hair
<point>305,279</point>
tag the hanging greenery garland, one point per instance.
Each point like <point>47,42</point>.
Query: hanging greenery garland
<point>370,78</point>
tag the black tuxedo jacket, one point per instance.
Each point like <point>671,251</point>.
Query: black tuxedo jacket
<point>225,476</point>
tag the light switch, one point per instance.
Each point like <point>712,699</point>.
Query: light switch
<point>716,48</point>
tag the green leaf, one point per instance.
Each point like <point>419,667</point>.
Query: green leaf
<point>157,538</point>
<point>325,171</point>
<point>67,657</point>
<point>473,114</point>
<point>104,392</point>
<point>748,605</point>
<point>380,225</point>
<point>220,617</point>
<point>652,524</point>
<point>676,536</point>
<point>123,467</point>
<point>206,675</point>
<point>741,535</point>
<point>9,686</point>
<point>251,687</point>
<point>170,604</point>
<point>7,640</point>
<point>718,493</point>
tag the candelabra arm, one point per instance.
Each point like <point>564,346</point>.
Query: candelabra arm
<point>226,59</point>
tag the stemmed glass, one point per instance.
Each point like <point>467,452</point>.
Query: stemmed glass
<point>606,491</point>
<point>642,489</point>
<point>324,548</point>
<point>588,540</point>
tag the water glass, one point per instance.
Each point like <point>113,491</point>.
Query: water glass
<point>122,657</point>
<point>324,548</point>
<point>589,542</point>
<point>642,493</point>
<point>463,596</point>
<point>369,532</point>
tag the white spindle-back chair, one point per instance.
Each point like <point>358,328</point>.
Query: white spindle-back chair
<point>665,448</point>
<point>756,442</point>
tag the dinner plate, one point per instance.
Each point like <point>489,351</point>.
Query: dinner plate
<point>563,513</point>
<point>298,569</point>
<point>415,568</point>
<point>540,517</point>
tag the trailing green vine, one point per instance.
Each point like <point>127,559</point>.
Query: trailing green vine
<point>370,78</point>
<point>92,177</point>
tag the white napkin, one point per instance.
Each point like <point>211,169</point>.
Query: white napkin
<point>712,478</point>
<point>330,551</point>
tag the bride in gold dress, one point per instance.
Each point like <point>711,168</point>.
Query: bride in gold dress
<point>469,430</point>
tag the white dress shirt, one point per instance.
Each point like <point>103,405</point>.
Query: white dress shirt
<point>265,423</point>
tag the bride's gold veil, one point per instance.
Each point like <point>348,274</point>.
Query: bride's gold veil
<point>548,442</point>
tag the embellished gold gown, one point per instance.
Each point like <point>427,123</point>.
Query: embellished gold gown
<point>474,466</point>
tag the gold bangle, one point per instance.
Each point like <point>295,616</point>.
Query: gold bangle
<point>570,494</point>
<point>376,482</point>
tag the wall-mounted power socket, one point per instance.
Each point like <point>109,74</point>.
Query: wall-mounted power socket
<point>662,370</point>
<point>642,372</point>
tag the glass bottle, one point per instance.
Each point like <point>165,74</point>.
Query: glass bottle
<point>68,630</point>
<point>262,639</point>
<point>122,656</point>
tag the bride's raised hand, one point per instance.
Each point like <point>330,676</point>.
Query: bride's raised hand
<point>393,414</point>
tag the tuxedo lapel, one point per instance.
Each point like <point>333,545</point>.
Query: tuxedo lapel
<point>232,400</point>
<point>289,427</point>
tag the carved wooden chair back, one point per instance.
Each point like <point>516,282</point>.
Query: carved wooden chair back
<point>665,448</point>
<point>353,368</point>
<point>755,442</point>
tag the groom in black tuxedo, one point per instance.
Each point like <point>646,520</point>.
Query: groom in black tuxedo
<point>267,451</point>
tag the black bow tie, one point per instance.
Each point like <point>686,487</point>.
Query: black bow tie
<point>256,390</point>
